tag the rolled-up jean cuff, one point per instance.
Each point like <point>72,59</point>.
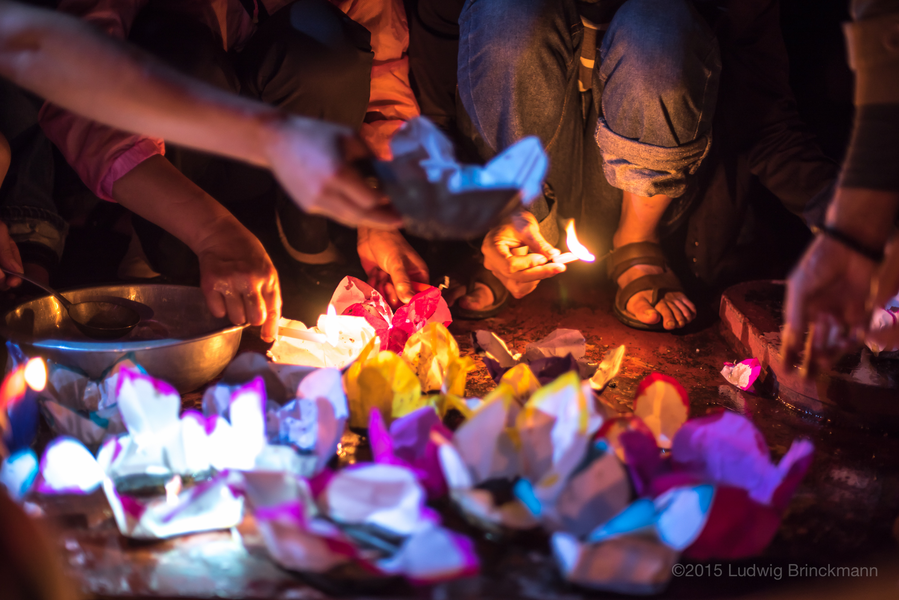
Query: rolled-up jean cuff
<point>648,170</point>
<point>27,224</point>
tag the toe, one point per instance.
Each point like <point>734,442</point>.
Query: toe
<point>686,307</point>
<point>669,321</point>
<point>642,310</point>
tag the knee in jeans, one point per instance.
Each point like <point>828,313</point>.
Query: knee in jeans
<point>659,44</point>
<point>519,30</point>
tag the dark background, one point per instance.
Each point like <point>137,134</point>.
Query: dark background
<point>820,77</point>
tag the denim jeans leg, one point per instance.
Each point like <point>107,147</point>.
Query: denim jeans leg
<point>518,72</point>
<point>660,71</point>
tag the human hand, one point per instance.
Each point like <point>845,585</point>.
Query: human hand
<point>517,253</point>
<point>313,159</point>
<point>392,265</point>
<point>238,279</point>
<point>9,259</point>
<point>827,307</point>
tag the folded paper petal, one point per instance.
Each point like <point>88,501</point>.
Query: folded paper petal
<point>559,343</point>
<point>347,336</point>
<point>206,506</point>
<point>486,442</point>
<point>456,376</point>
<point>18,473</point>
<point>553,427</point>
<point>727,449</point>
<point>149,406</point>
<point>630,564</point>
<point>663,405</point>
<point>488,344</point>
<point>431,555</point>
<point>677,518</point>
<point>429,352</point>
<point>743,374</point>
<point>591,496</point>
<point>737,527</point>
<point>355,297</point>
<point>608,369</point>
<point>883,331</point>
<point>612,430</point>
<point>385,496</point>
<point>384,381</point>
<point>520,382</point>
<point>67,467</point>
<point>424,307</point>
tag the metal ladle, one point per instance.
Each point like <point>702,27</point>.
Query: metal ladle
<point>98,319</point>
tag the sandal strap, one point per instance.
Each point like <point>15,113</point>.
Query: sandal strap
<point>659,283</point>
<point>631,255</point>
<point>483,275</point>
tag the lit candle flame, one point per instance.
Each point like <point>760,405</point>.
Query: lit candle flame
<point>36,374</point>
<point>329,324</point>
<point>172,489</point>
<point>575,247</point>
<point>32,375</point>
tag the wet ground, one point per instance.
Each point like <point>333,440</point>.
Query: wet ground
<point>843,514</point>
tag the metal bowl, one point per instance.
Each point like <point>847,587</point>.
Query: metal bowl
<point>178,340</point>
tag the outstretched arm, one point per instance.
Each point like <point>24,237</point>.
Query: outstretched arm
<point>67,62</point>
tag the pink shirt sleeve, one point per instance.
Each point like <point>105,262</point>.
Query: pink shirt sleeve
<point>99,154</point>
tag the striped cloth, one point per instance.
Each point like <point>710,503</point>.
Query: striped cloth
<point>588,53</point>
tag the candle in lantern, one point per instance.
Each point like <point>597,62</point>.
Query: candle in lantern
<point>335,341</point>
<point>576,250</point>
<point>18,405</point>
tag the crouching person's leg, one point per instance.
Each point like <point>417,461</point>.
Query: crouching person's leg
<point>660,68</point>
<point>36,232</point>
<point>310,59</point>
<point>518,76</point>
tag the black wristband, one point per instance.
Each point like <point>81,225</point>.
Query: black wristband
<point>850,242</point>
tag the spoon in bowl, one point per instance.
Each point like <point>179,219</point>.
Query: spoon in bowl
<point>98,319</point>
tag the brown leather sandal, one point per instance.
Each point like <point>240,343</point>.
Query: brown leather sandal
<point>631,255</point>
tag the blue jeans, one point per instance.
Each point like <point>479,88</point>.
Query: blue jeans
<point>646,128</point>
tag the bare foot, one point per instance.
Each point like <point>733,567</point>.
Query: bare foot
<point>674,309</point>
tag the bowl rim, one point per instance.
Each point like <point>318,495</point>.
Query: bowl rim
<point>110,346</point>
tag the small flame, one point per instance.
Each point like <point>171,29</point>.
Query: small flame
<point>575,247</point>
<point>329,324</point>
<point>36,374</point>
<point>172,489</point>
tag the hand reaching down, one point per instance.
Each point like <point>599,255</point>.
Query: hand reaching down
<point>828,301</point>
<point>238,278</point>
<point>392,265</point>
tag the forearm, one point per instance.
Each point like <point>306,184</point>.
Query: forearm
<point>866,215</point>
<point>158,192</point>
<point>867,201</point>
<point>68,63</point>
<point>873,154</point>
